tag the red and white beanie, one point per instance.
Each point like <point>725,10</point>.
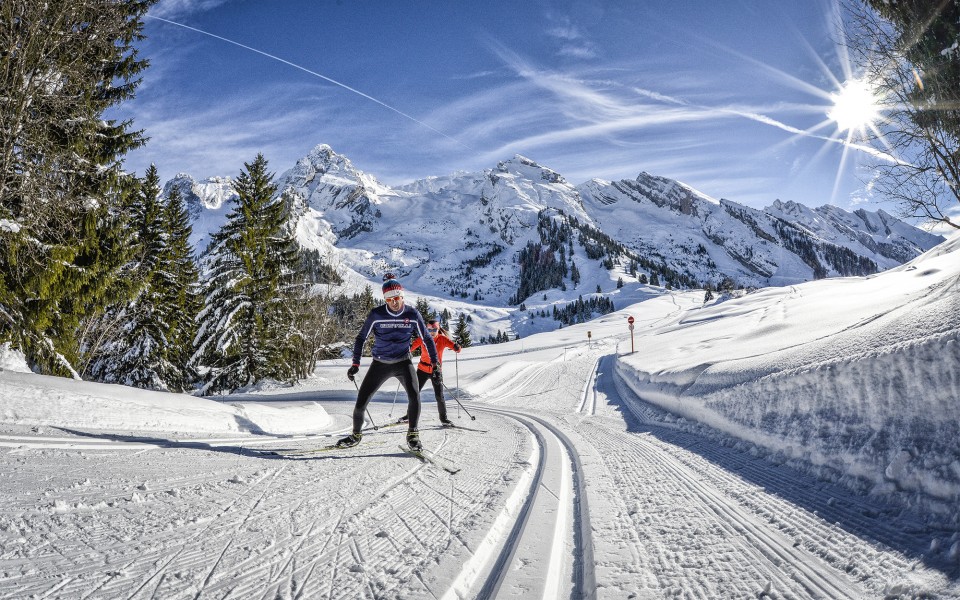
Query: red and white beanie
<point>391,287</point>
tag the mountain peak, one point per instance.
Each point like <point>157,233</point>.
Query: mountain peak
<point>529,168</point>
<point>324,159</point>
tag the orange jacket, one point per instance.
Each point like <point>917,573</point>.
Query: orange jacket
<point>441,342</point>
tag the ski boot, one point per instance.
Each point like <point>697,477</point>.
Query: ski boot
<point>350,441</point>
<point>413,440</point>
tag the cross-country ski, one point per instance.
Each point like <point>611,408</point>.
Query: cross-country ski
<point>297,452</point>
<point>431,458</point>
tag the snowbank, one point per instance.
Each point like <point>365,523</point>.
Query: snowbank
<point>39,400</point>
<point>857,376</point>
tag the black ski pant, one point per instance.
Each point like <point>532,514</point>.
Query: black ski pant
<point>376,375</point>
<point>422,377</point>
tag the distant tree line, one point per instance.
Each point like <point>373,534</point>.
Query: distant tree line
<point>581,311</point>
<point>546,264</point>
<point>465,280</point>
<point>821,256</point>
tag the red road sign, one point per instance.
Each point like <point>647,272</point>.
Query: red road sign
<point>630,320</point>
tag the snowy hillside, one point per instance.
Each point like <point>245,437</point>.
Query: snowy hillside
<point>859,376</point>
<point>458,236</point>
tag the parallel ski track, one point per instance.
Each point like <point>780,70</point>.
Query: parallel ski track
<point>583,575</point>
<point>765,552</point>
<point>862,520</point>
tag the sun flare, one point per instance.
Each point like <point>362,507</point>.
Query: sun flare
<point>854,106</point>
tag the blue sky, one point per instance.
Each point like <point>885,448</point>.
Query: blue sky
<point>724,96</point>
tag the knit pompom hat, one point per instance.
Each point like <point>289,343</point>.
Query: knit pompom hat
<point>391,287</point>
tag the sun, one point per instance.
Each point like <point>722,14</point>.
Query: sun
<point>854,106</point>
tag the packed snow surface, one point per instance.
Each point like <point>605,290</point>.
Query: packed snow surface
<point>798,442</point>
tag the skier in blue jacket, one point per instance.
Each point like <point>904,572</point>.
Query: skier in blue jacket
<point>393,326</point>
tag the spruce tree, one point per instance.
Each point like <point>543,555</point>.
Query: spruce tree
<point>136,353</point>
<point>62,189</point>
<point>461,333</point>
<point>180,298</point>
<point>246,331</point>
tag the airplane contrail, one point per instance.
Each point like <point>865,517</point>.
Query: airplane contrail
<point>314,73</point>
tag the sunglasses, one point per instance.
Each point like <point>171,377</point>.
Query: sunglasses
<point>433,329</point>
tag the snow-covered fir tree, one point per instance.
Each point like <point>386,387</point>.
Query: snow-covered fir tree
<point>423,307</point>
<point>136,354</point>
<point>180,298</point>
<point>245,328</point>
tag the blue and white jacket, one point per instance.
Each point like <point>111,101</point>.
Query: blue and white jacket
<point>392,335</point>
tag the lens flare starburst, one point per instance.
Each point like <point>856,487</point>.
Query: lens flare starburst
<point>855,107</point>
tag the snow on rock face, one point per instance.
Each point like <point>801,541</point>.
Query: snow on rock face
<point>462,231</point>
<point>207,202</point>
<point>335,190</point>
<point>210,194</point>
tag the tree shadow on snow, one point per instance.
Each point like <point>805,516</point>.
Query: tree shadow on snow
<point>235,449</point>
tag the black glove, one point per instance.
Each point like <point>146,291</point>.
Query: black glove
<point>437,376</point>
<point>352,371</point>
<point>457,347</point>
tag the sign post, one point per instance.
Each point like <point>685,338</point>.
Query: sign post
<point>630,322</point>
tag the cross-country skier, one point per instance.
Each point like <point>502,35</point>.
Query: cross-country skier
<point>393,326</point>
<point>441,340</point>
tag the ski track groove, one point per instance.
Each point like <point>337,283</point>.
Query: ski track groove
<point>435,501</point>
<point>667,566</point>
<point>306,579</point>
<point>291,561</point>
<point>749,529</point>
<point>505,556</point>
<point>236,530</point>
<point>582,567</point>
<point>161,570</point>
<point>813,515</point>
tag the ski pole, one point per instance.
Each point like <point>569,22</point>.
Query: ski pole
<point>461,405</point>
<point>369,416</point>
<point>456,371</point>
<point>394,400</point>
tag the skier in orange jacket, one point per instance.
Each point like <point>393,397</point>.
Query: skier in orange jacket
<point>425,369</point>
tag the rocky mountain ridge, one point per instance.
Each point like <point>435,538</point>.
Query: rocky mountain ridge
<point>461,235</point>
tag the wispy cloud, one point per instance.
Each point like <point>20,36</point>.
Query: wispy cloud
<point>204,141</point>
<point>171,9</point>
<point>571,42</point>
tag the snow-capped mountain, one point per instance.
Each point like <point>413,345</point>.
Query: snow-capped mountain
<point>207,202</point>
<point>460,235</point>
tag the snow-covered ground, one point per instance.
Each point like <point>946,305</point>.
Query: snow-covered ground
<point>798,442</point>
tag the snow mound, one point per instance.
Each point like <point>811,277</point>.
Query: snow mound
<point>39,400</point>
